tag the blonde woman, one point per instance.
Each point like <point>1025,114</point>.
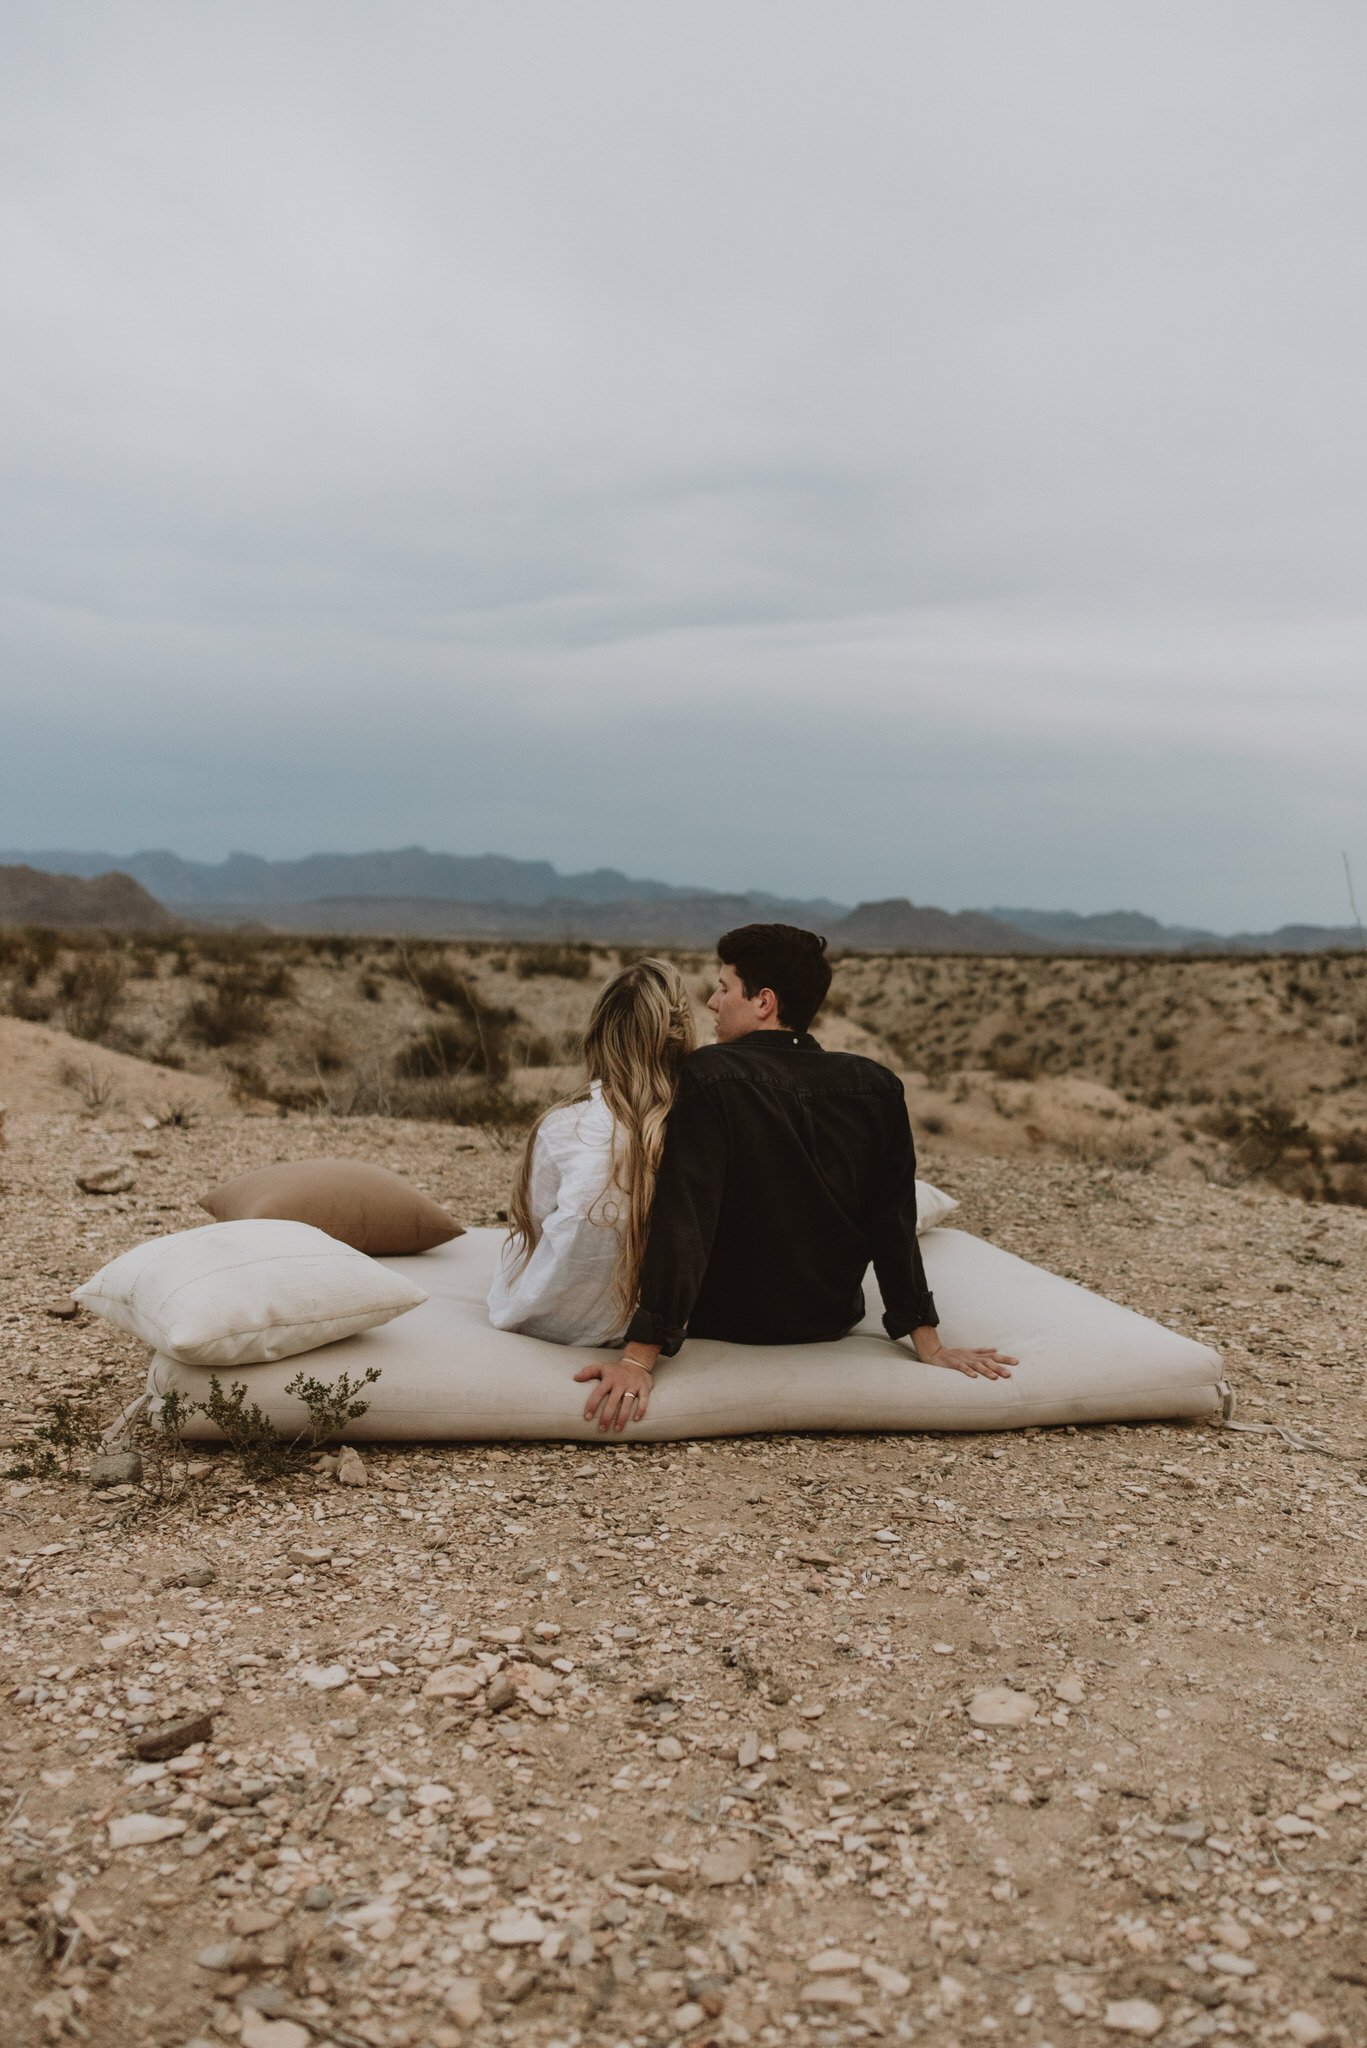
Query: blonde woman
<point>580,1212</point>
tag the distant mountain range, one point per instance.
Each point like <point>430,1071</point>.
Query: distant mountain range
<point>409,891</point>
<point>246,881</point>
<point>1130,931</point>
<point>682,920</point>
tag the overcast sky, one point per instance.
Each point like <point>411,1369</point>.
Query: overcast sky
<point>909,449</point>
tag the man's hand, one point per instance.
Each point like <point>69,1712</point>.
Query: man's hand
<point>986,1364</point>
<point>622,1394</point>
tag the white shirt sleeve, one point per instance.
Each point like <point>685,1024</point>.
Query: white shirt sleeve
<point>564,1292</point>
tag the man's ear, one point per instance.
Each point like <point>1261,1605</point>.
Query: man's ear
<point>768,1005</point>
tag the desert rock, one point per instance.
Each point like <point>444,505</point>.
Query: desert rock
<point>999,1707</point>
<point>132,1830</point>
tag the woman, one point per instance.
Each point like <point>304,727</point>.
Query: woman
<point>581,1208</point>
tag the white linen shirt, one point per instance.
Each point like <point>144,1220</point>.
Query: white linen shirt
<point>565,1292</point>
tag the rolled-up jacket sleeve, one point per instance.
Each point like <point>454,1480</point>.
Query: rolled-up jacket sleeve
<point>683,1221</point>
<point>908,1303</point>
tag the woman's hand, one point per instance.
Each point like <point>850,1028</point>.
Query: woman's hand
<point>985,1364</point>
<point>621,1396</point>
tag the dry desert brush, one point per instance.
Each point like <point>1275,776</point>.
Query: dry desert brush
<point>263,1451</point>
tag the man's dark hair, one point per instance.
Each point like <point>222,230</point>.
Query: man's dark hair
<point>784,958</point>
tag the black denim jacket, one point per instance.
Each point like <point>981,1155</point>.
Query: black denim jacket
<point>786,1170</point>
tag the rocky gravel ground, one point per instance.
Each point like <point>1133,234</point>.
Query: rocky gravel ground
<point>1043,1738</point>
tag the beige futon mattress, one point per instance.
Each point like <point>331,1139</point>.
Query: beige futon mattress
<point>446,1375</point>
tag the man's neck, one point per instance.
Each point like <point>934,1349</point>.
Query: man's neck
<point>764,1031</point>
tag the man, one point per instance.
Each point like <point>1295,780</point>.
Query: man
<point>787,1170</point>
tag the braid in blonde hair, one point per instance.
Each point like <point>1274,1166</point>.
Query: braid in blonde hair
<point>636,1039</point>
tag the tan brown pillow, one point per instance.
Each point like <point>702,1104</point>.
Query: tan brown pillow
<point>364,1206</point>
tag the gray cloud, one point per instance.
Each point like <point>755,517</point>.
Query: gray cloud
<point>877,450</point>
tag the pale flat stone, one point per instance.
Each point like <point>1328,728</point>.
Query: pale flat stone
<point>454,1682</point>
<point>1071,1691</point>
<point>1293,1824</point>
<point>832,1991</point>
<point>747,1751</point>
<point>463,2001</point>
<point>132,1830</point>
<point>1230,1965</point>
<point>518,1930</point>
<point>892,1983</point>
<point>260,2032</point>
<point>114,1179</point>
<point>1304,2029</point>
<point>254,1920</point>
<point>324,1677</point>
<point>1133,2016</point>
<point>834,1962</point>
<point>219,1955</point>
<point>433,1795</point>
<point>728,1863</point>
<point>999,1707</point>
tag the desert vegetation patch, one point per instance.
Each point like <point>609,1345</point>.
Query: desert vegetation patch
<point>1238,1068</point>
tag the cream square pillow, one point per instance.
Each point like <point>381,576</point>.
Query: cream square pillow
<point>245,1293</point>
<point>932,1206</point>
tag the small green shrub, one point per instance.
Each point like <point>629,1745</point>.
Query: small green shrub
<point>27,1003</point>
<point>539,1049</point>
<point>568,962</point>
<point>331,1408</point>
<point>72,1429</point>
<point>232,1010</point>
<point>327,1053</point>
<point>97,1091</point>
<point>40,946</point>
<point>247,1082</point>
<point>89,994</point>
<point>453,1100</point>
<point>439,1052</point>
<point>455,1050</point>
<point>252,1437</point>
<point>1269,1134</point>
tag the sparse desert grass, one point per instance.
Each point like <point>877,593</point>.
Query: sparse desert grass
<point>231,1009</point>
<point>564,963</point>
<point>98,1089</point>
<point>89,993</point>
<point>448,1051</point>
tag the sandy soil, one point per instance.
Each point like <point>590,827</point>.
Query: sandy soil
<point>735,1793</point>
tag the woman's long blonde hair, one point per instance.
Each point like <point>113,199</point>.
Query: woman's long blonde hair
<point>634,1043</point>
